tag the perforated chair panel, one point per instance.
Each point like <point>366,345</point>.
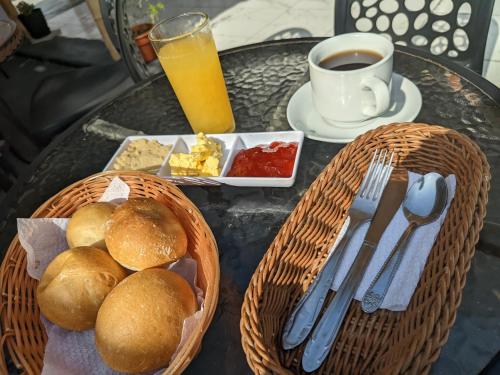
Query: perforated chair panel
<point>451,29</point>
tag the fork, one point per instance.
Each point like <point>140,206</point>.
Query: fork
<point>363,208</point>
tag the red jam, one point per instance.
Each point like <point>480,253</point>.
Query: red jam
<point>274,160</point>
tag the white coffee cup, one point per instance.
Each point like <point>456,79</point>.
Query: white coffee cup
<point>351,96</point>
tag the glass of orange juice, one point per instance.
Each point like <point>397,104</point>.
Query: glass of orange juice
<point>187,53</point>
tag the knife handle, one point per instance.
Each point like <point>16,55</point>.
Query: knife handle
<point>328,327</point>
<point>309,306</point>
<point>376,292</point>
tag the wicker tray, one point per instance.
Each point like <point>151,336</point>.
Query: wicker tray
<point>384,342</point>
<point>23,334</point>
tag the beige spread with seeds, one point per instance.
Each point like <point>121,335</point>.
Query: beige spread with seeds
<point>142,155</point>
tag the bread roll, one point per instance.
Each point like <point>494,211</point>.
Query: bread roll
<point>87,225</point>
<point>74,285</point>
<point>144,233</point>
<point>139,325</point>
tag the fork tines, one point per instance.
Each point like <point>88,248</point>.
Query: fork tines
<point>377,175</point>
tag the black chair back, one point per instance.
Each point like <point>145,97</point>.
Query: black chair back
<point>11,168</point>
<point>12,131</point>
<point>452,29</point>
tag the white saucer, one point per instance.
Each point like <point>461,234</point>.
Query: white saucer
<point>406,102</point>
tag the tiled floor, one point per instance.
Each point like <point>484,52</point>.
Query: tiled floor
<point>52,8</point>
<point>312,18</point>
<point>268,19</point>
<point>238,23</point>
<point>491,69</point>
<point>76,22</point>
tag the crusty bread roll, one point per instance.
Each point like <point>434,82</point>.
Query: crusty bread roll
<point>74,285</point>
<point>139,325</point>
<point>144,233</point>
<point>87,225</point>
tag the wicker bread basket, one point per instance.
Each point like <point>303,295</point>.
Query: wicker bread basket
<point>22,332</point>
<point>384,342</point>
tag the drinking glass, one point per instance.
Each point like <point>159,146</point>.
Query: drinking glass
<point>187,53</point>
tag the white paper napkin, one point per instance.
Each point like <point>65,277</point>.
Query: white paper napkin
<point>71,352</point>
<point>419,246</point>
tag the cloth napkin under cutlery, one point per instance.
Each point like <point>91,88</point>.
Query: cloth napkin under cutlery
<point>419,246</point>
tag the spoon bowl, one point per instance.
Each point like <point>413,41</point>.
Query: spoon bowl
<point>426,199</point>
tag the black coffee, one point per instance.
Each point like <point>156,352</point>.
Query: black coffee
<point>350,60</point>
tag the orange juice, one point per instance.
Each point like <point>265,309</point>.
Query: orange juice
<point>192,66</point>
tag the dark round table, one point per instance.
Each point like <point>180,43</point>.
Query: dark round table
<point>261,79</point>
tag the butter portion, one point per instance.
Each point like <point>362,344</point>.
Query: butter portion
<point>210,167</point>
<point>142,155</point>
<point>203,160</point>
<point>184,165</point>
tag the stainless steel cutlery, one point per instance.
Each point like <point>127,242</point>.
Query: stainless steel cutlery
<point>329,325</point>
<point>362,210</point>
<point>377,201</point>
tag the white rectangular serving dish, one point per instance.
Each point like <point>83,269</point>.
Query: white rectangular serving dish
<point>231,144</point>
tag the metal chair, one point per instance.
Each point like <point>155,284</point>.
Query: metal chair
<point>451,29</point>
<point>118,25</point>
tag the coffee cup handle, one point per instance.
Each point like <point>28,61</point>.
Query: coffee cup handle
<point>382,96</point>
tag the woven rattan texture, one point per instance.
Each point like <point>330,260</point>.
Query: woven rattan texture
<point>23,334</point>
<point>384,342</point>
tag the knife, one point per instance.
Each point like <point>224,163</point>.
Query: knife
<point>328,327</point>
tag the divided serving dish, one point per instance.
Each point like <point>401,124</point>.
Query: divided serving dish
<point>231,143</point>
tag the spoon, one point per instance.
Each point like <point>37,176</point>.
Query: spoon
<point>424,203</point>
